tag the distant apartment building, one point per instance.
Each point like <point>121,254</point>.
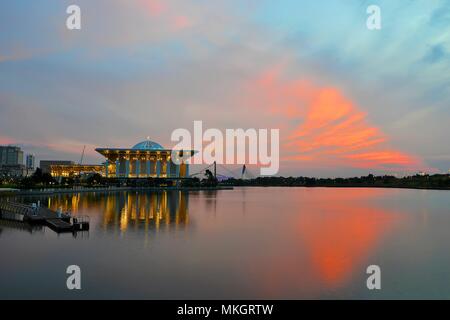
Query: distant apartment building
<point>45,165</point>
<point>30,161</point>
<point>10,155</point>
<point>11,161</point>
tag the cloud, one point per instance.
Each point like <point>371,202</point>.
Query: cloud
<point>181,22</point>
<point>154,7</point>
<point>6,140</point>
<point>345,98</point>
<point>440,17</point>
<point>436,53</point>
<point>327,127</point>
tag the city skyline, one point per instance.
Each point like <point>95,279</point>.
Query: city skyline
<point>347,100</point>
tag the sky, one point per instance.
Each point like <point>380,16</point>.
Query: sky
<point>347,100</point>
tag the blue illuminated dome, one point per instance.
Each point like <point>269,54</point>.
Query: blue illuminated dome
<point>148,145</point>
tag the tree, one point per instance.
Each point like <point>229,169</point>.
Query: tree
<point>94,179</point>
<point>42,178</point>
<point>37,175</point>
<point>191,182</point>
<point>47,179</point>
<point>27,182</point>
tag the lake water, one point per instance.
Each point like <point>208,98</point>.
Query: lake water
<point>293,243</point>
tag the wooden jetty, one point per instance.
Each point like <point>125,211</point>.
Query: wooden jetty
<point>37,215</point>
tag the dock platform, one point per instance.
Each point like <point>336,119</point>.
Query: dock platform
<point>59,225</point>
<point>57,221</point>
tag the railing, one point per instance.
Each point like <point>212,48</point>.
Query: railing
<point>80,219</point>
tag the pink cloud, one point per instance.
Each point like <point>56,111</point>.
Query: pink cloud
<point>65,146</point>
<point>154,7</point>
<point>327,127</point>
<point>167,14</point>
<point>181,22</point>
<point>6,140</point>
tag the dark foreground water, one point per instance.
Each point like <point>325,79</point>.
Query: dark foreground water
<point>246,243</point>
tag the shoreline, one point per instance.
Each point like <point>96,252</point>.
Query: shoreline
<point>29,192</point>
<point>353,186</point>
<point>19,192</point>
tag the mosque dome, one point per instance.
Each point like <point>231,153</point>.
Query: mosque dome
<point>148,145</point>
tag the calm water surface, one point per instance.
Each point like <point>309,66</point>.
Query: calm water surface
<point>290,243</point>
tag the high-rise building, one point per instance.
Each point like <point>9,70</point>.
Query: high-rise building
<point>30,162</point>
<point>11,161</point>
<point>10,155</point>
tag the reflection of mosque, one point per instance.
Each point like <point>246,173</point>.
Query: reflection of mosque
<point>147,209</point>
<point>127,210</point>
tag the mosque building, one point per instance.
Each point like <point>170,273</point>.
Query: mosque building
<point>147,159</point>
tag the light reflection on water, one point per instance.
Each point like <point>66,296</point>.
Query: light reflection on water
<point>245,243</point>
<point>123,211</point>
<point>128,210</point>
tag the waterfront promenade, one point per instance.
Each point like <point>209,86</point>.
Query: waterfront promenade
<point>50,191</point>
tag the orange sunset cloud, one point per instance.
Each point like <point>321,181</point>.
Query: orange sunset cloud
<point>326,126</point>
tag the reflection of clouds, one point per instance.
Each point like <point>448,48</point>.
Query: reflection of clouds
<point>125,210</point>
<point>340,239</point>
<point>329,242</point>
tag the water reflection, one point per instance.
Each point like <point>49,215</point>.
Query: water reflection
<point>20,226</point>
<point>247,243</point>
<point>152,210</point>
<point>338,241</point>
<point>329,242</point>
<point>125,210</point>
